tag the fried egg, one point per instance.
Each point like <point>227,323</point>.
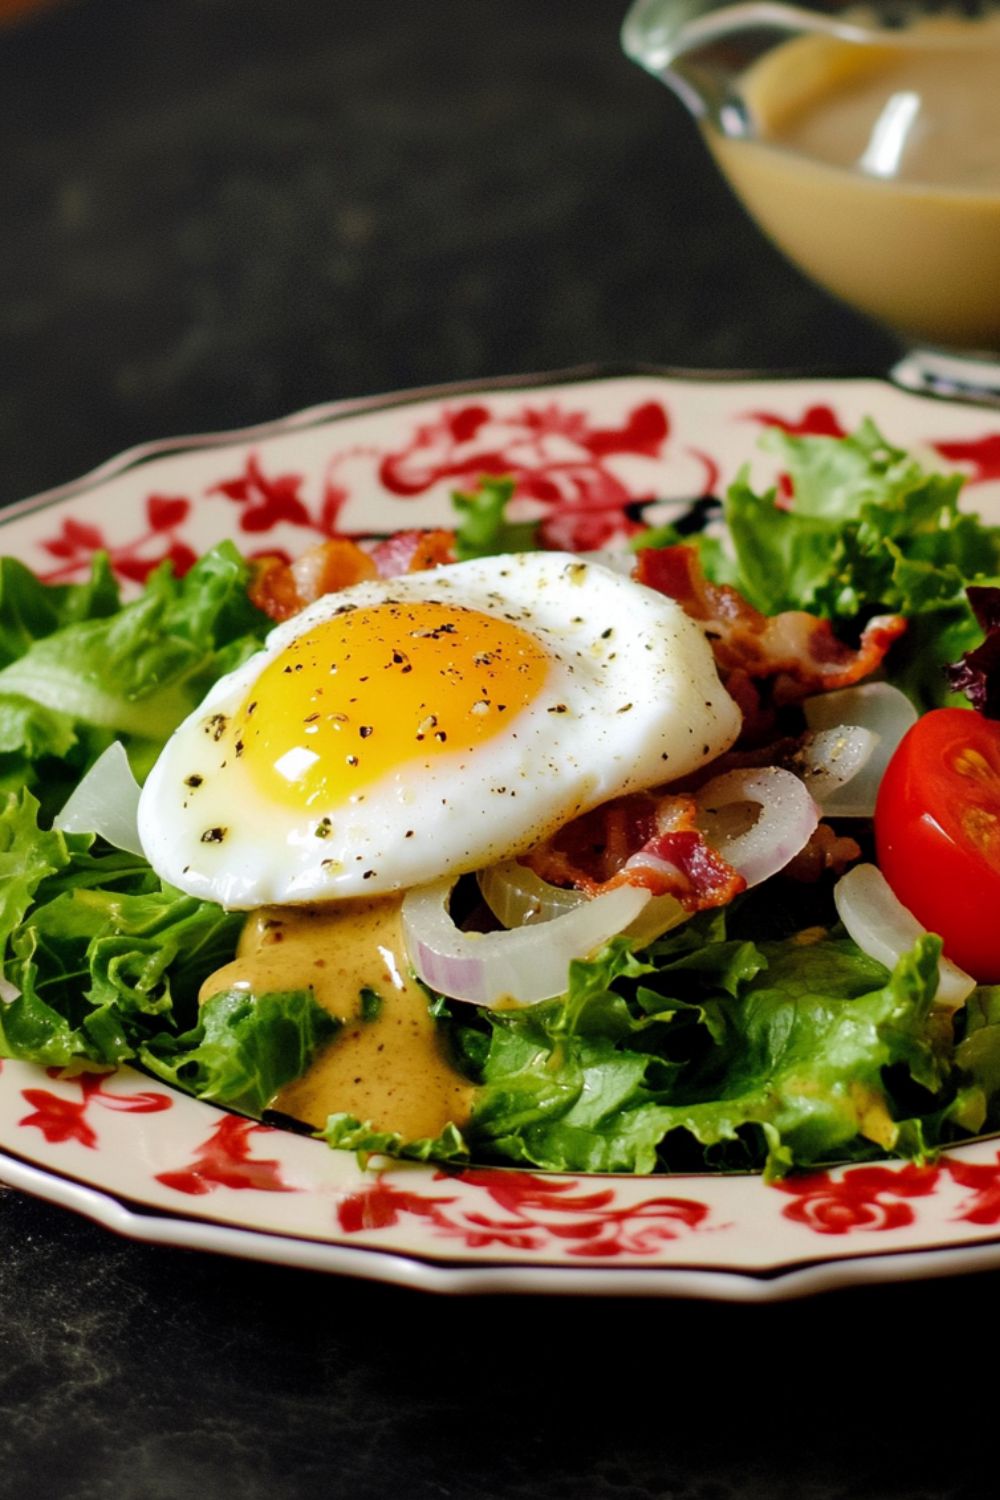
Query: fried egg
<point>406,729</point>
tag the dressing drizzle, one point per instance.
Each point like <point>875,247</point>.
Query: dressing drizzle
<point>391,1070</point>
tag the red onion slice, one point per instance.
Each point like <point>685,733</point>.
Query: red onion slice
<point>757,819</point>
<point>519,967</point>
<point>885,929</point>
<point>105,802</point>
<point>881,709</point>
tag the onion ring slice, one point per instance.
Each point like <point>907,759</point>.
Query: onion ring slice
<point>518,967</point>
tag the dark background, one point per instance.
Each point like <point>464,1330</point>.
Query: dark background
<point>214,212</point>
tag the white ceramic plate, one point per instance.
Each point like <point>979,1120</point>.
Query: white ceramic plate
<point>589,452</point>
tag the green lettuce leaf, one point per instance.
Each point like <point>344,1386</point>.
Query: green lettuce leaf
<point>102,962</point>
<point>78,670</point>
<point>718,1053</point>
<point>102,954</point>
<point>482,528</point>
<point>346,1133</point>
<point>31,610</point>
<point>141,669</point>
<point>245,1047</point>
<point>107,962</point>
<point>27,855</point>
<point>869,531</point>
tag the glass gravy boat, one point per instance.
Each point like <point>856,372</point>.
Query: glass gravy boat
<point>866,143</point>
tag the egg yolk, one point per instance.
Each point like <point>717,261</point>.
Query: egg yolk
<point>377,689</point>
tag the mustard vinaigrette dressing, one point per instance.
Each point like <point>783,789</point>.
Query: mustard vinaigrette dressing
<point>391,1071</point>
<point>877,169</point>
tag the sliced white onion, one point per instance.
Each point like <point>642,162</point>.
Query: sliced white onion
<point>519,967</point>
<point>884,928</point>
<point>105,802</point>
<point>757,819</point>
<point>885,712</point>
<point>518,897</point>
<point>662,913</point>
<point>830,758</point>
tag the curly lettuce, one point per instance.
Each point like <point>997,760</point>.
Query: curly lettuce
<point>868,531</point>
<point>711,1050</point>
<point>79,669</point>
<point>104,963</point>
<point>101,961</point>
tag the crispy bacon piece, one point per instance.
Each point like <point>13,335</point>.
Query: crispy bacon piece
<point>797,652</point>
<point>272,588</point>
<point>825,851</point>
<point>639,840</point>
<point>413,552</point>
<point>281,589</point>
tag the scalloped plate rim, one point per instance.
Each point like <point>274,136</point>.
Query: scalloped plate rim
<point>397,1268</point>
<point>321,412</point>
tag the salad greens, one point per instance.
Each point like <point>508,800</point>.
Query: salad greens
<point>870,532</point>
<point>105,959</point>
<point>757,1035</point>
<point>107,962</point>
<point>482,528</point>
<point>717,1051</point>
<point>977,673</point>
<point>79,669</point>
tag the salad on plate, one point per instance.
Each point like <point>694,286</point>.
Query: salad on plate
<point>452,847</point>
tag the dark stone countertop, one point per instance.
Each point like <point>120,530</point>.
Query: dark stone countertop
<point>218,211</point>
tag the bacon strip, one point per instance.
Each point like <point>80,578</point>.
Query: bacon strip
<point>797,652</point>
<point>282,589</point>
<point>824,852</point>
<point>413,552</point>
<point>639,840</point>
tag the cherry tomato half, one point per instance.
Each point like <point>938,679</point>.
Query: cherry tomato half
<point>937,833</point>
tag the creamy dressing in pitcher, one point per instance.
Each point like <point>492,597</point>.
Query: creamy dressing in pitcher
<point>877,169</point>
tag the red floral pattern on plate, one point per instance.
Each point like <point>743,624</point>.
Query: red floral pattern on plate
<point>65,1119</point>
<point>266,501</point>
<point>224,1160</point>
<point>557,454</point>
<point>815,421</point>
<point>863,1198</point>
<point>982,454</point>
<point>75,544</point>
<point>558,457</point>
<point>878,1198</point>
<point>533,1212</point>
<point>983,1204</point>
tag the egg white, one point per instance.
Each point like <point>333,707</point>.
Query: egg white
<point>631,699</point>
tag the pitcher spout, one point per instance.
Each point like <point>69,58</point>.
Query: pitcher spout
<point>698,48</point>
